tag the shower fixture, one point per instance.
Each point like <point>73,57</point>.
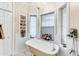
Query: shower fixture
<point>74,35</point>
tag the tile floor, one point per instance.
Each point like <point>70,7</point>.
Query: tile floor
<point>25,52</point>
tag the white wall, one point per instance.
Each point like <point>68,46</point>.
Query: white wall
<point>73,15</point>
<point>63,51</point>
<point>19,42</point>
<point>74,18</point>
<point>6,44</point>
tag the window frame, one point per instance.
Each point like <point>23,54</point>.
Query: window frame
<point>55,26</point>
<point>30,24</point>
<point>47,14</point>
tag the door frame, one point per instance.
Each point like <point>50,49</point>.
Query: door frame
<point>67,4</point>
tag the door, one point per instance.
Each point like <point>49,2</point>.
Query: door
<point>1,40</point>
<point>65,22</point>
<point>8,34</point>
<point>6,43</point>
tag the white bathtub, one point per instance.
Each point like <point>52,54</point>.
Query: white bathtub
<point>41,47</point>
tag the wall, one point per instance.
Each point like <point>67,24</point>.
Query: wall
<point>58,5</point>
<point>19,42</point>
<point>74,17</point>
<point>63,51</point>
<point>47,7</point>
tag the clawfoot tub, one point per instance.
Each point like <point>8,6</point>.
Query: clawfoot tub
<point>41,47</point>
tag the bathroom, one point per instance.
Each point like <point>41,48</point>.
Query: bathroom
<point>40,23</point>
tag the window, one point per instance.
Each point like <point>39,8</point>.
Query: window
<point>48,19</point>
<point>48,25</point>
<point>33,19</point>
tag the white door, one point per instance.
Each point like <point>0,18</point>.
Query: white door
<point>8,33</point>
<point>1,40</point>
<point>65,21</point>
<point>6,5</point>
<point>6,43</point>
